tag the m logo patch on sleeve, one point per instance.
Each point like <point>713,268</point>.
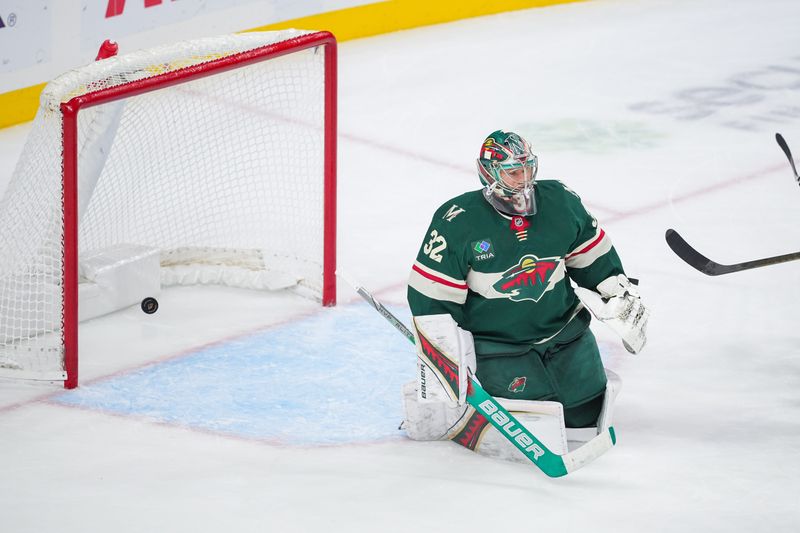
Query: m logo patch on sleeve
<point>453,212</point>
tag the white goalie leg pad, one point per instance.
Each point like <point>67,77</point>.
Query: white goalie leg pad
<point>618,305</point>
<point>545,420</point>
<point>429,420</point>
<point>577,437</point>
<point>446,356</point>
<point>435,402</point>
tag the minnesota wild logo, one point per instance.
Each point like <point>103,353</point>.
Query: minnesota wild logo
<point>518,384</point>
<point>528,279</point>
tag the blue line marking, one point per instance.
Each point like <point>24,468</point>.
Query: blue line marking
<point>332,378</point>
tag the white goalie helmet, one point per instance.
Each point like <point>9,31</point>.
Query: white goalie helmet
<point>507,169</point>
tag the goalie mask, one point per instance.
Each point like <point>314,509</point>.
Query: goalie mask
<point>507,168</point>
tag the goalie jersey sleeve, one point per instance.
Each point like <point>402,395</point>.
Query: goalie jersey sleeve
<point>507,279</point>
<point>592,257</point>
<point>438,279</point>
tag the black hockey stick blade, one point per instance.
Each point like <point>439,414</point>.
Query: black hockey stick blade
<point>785,148</point>
<point>705,265</point>
<point>691,256</point>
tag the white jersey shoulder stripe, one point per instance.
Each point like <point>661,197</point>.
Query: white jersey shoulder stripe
<point>436,285</point>
<point>588,252</point>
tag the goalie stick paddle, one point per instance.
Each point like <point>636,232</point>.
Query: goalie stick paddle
<point>552,464</point>
<point>785,148</point>
<point>705,265</point>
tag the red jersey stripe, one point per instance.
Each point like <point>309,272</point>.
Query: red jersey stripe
<point>462,286</point>
<point>589,246</point>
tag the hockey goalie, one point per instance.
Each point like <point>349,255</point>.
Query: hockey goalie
<point>503,289</point>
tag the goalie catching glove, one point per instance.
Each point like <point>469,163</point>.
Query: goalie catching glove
<point>618,305</point>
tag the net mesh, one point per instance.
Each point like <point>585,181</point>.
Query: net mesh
<point>223,174</point>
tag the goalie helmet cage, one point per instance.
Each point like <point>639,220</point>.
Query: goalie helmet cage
<point>220,153</point>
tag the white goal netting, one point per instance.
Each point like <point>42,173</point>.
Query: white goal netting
<point>223,174</point>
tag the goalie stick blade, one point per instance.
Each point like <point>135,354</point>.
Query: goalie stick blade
<point>590,451</point>
<point>705,265</point>
<point>785,147</point>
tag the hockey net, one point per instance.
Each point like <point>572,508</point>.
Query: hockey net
<point>216,157</point>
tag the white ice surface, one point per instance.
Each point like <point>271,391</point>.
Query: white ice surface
<point>660,114</point>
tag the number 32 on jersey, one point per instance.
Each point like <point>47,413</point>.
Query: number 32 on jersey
<point>434,246</point>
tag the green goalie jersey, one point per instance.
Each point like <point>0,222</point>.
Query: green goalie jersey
<point>507,279</point>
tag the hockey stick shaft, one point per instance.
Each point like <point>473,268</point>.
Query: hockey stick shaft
<point>550,463</point>
<point>785,148</point>
<point>705,265</point>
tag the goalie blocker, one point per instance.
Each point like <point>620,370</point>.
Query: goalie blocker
<point>436,409</point>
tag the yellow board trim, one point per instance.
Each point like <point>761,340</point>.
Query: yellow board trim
<point>20,105</point>
<point>394,15</point>
<point>352,23</point>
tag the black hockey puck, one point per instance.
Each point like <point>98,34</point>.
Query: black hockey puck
<point>149,305</point>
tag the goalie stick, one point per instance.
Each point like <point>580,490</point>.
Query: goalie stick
<point>785,148</point>
<point>705,265</point>
<point>552,464</point>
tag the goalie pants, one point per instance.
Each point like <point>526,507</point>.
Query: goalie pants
<point>566,370</point>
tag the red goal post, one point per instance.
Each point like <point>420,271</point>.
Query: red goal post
<point>214,158</point>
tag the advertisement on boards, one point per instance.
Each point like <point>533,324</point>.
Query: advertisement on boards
<point>25,33</point>
<point>116,19</point>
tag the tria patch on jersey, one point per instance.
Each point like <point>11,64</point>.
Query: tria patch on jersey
<point>528,279</point>
<point>453,212</point>
<point>482,250</point>
<point>518,384</point>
